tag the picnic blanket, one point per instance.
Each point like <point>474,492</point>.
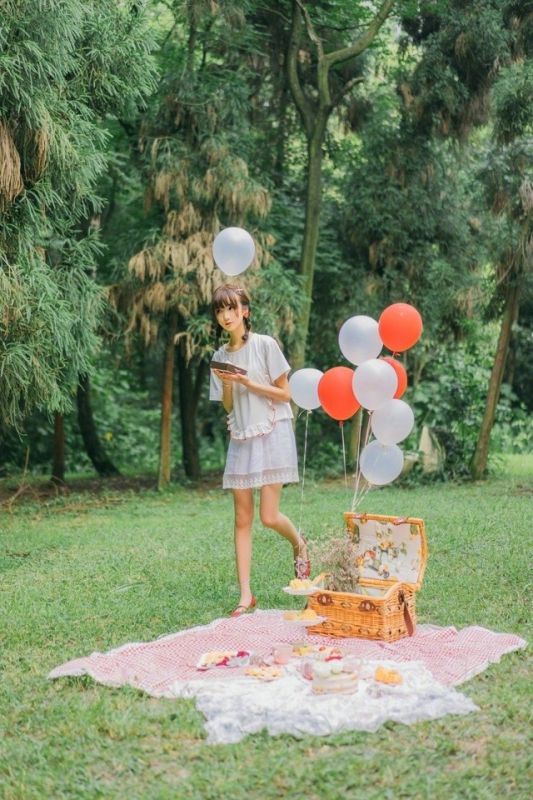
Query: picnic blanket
<point>431,662</point>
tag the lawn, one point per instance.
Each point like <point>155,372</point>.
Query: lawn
<point>90,572</point>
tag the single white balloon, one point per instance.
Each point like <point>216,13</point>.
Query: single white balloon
<point>304,387</point>
<point>359,339</point>
<point>392,422</point>
<point>381,463</point>
<point>374,382</point>
<point>233,250</point>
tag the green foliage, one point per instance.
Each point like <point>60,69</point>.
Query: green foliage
<point>513,101</point>
<point>451,401</point>
<point>513,432</point>
<point>63,65</point>
<point>406,220</point>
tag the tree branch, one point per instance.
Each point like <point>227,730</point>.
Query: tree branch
<point>364,40</point>
<point>310,29</point>
<point>350,84</point>
<point>302,103</point>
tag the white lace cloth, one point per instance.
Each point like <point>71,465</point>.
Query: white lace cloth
<point>235,708</point>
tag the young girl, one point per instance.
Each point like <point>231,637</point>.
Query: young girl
<point>262,448</point>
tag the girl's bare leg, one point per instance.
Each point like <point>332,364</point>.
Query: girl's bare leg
<point>243,500</point>
<point>271,517</point>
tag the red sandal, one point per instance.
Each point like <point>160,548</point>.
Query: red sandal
<point>302,566</point>
<point>240,610</point>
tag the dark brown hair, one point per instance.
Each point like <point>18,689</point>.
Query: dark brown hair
<point>228,296</point>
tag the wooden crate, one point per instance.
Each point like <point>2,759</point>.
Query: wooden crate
<point>392,556</point>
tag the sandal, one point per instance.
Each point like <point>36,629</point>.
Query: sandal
<point>240,610</point>
<point>302,566</point>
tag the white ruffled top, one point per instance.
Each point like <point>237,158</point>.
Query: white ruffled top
<point>253,414</point>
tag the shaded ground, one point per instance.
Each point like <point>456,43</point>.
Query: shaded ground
<point>17,492</point>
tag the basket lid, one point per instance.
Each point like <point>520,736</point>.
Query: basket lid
<point>389,548</point>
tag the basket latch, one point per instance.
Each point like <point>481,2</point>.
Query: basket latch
<point>324,599</point>
<point>406,615</point>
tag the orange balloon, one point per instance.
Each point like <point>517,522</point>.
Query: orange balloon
<point>401,374</point>
<point>336,394</point>
<point>400,327</point>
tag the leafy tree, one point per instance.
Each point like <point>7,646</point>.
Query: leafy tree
<point>195,141</point>
<point>508,178</point>
<point>332,73</point>
<point>64,64</point>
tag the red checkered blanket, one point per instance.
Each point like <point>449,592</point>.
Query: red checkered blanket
<point>451,656</point>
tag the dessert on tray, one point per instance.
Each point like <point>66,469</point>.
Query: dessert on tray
<point>305,586</point>
<point>264,673</point>
<point>322,652</point>
<point>333,677</point>
<point>223,658</point>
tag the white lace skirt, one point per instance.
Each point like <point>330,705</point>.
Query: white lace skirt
<point>262,460</point>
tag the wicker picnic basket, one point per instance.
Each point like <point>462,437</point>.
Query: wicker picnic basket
<point>391,556</point>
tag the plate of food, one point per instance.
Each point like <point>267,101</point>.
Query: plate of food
<point>318,652</point>
<point>223,658</point>
<point>307,617</point>
<point>265,673</point>
<point>303,587</point>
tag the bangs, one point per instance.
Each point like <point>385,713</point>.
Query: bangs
<point>226,297</point>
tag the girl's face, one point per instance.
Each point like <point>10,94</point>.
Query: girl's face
<point>231,318</point>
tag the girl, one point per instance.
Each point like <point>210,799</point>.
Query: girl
<point>262,449</point>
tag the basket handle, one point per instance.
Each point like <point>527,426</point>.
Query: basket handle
<point>406,615</point>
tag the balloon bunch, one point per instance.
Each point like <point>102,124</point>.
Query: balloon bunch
<point>377,384</point>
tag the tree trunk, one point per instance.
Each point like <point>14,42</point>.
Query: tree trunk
<point>478,464</point>
<point>58,463</point>
<point>281,134</point>
<point>93,447</point>
<point>166,409</point>
<point>310,238</point>
<point>189,394</point>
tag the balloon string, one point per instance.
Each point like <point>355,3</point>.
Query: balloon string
<point>363,494</point>
<point>355,499</point>
<point>367,437</point>
<point>357,465</point>
<point>341,423</point>
<point>303,471</point>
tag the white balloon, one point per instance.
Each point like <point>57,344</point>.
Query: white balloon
<point>304,387</point>
<point>359,339</point>
<point>233,250</point>
<point>374,382</point>
<point>392,422</point>
<point>381,463</point>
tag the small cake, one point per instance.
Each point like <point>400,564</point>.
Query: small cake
<point>389,676</point>
<point>308,613</point>
<point>333,677</point>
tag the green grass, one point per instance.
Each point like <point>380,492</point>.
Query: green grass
<point>82,574</point>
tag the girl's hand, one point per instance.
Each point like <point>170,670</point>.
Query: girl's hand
<point>230,377</point>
